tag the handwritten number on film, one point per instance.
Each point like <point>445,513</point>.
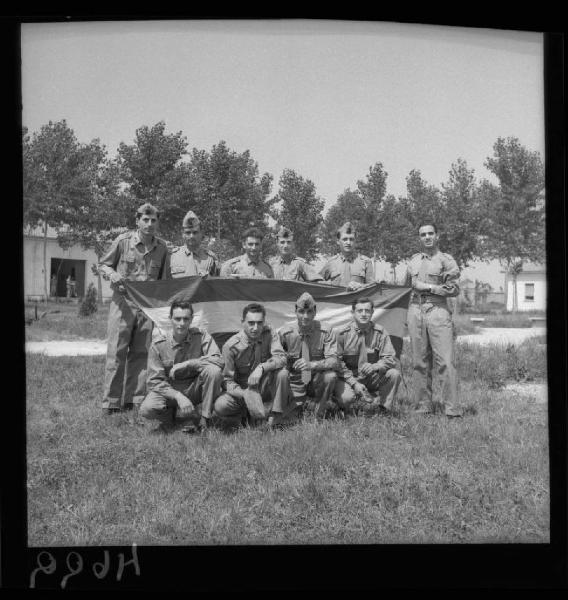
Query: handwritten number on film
<point>74,563</point>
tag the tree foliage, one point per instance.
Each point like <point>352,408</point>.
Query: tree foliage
<point>58,178</point>
<point>514,227</point>
<point>348,207</point>
<point>147,163</point>
<point>228,193</point>
<point>300,210</point>
<point>462,217</point>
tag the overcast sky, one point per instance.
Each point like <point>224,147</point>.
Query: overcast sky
<point>325,98</point>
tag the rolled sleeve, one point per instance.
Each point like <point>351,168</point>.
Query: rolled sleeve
<point>344,371</point>
<point>229,382</point>
<point>451,275</point>
<point>329,361</point>
<point>156,376</point>
<point>277,358</point>
<point>109,260</point>
<point>387,355</point>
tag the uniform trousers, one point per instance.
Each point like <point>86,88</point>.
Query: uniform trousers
<point>129,337</point>
<point>386,385</point>
<point>202,390</point>
<point>432,341</point>
<point>274,388</point>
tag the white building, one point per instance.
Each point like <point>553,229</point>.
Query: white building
<point>61,263</point>
<point>531,288</point>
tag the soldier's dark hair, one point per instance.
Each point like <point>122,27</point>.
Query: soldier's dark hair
<point>251,232</point>
<point>180,303</point>
<point>362,300</point>
<point>427,222</point>
<point>147,209</point>
<point>254,307</point>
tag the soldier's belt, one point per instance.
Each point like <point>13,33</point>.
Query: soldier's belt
<point>423,298</point>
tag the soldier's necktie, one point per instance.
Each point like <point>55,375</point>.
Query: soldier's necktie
<point>305,354</point>
<point>362,351</point>
<point>256,360</point>
<point>346,273</point>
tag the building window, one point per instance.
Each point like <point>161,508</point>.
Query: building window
<point>529,291</point>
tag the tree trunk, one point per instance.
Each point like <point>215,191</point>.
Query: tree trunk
<point>99,283</point>
<point>393,269</point>
<point>515,298</point>
<point>45,278</point>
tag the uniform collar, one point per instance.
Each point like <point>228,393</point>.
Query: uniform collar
<point>249,262</point>
<point>137,239</point>
<point>174,344</point>
<point>358,330</point>
<point>188,251</point>
<point>426,255</point>
<point>345,258</point>
<point>283,261</point>
<point>243,337</point>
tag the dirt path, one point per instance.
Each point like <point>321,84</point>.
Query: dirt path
<point>98,347</point>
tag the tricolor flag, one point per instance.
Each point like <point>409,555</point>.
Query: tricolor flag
<point>218,303</point>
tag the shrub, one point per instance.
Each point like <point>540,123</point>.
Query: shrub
<point>89,305</point>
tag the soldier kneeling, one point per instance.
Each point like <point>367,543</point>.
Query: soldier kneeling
<point>255,378</point>
<point>368,361</point>
<point>184,373</point>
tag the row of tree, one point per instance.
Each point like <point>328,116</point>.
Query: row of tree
<point>87,196</point>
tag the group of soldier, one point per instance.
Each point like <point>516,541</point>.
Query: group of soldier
<point>262,373</point>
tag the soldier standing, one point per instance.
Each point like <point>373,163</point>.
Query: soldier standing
<point>312,355</point>
<point>434,278</point>
<point>191,258</point>
<point>349,268</point>
<point>287,265</point>
<point>254,359</point>
<point>368,360</point>
<point>134,256</point>
<point>249,264</point>
<point>184,372</point>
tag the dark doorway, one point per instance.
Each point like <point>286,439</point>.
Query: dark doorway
<point>62,268</point>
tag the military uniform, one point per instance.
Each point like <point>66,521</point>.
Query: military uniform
<point>318,345</point>
<point>295,268</point>
<point>243,266</point>
<point>129,330</point>
<point>356,347</point>
<point>241,356</point>
<point>431,328</point>
<point>340,270</point>
<point>198,375</point>
<point>185,263</point>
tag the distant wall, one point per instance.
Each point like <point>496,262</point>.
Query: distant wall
<point>34,268</point>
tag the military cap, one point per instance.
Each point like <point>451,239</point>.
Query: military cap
<point>346,228</point>
<point>284,232</point>
<point>190,219</point>
<point>146,209</point>
<point>305,301</point>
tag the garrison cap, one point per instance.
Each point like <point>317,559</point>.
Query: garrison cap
<point>191,219</point>
<point>284,232</point>
<point>146,209</point>
<point>305,301</point>
<point>346,228</point>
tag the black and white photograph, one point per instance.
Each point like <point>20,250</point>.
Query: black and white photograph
<point>285,284</point>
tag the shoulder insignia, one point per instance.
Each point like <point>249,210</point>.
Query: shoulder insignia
<point>211,254</point>
<point>378,327</point>
<point>363,257</point>
<point>300,259</point>
<point>175,249</point>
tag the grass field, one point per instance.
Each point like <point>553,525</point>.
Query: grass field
<point>95,480</point>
